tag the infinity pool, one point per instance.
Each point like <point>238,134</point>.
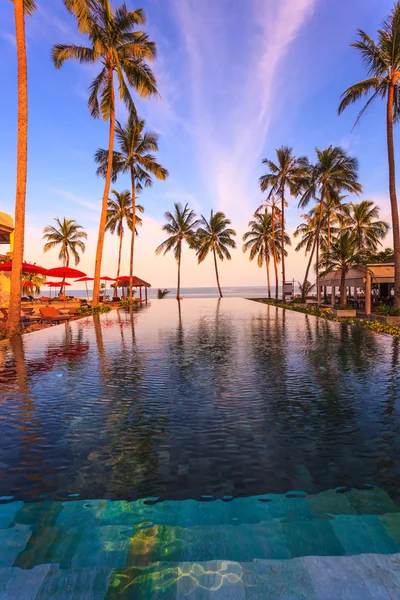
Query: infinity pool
<point>190,450</point>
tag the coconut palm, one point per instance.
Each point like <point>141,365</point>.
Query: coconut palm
<point>362,221</point>
<point>333,172</point>
<point>283,174</point>
<point>69,236</point>
<point>275,222</point>
<point>181,226</point>
<point>259,241</point>
<point>161,293</point>
<point>123,53</point>
<point>36,279</point>
<point>134,157</point>
<point>344,255</point>
<point>119,210</point>
<point>215,236</point>
<point>306,287</point>
<point>21,8</point>
<point>382,62</point>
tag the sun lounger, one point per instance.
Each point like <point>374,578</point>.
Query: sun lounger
<point>25,318</point>
<point>45,299</point>
<point>52,315</point>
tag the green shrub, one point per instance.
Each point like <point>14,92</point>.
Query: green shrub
<point>388,311</point>
<point>345,307</point>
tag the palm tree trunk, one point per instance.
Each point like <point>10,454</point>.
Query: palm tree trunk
<point>178,290</point>
<point>393,196</point>
<point>303,293</point>
<point>216,273</point>
<point>121,235</point>
<point>283,241</point>
<point>13,325</point>
<point>133,235</point>
<point>268,277</point>
<point>274,253</point>
<point>103,217</point>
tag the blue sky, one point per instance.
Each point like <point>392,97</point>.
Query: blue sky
<point>237,79</point>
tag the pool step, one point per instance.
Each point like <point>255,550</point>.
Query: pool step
<point>367,576</point>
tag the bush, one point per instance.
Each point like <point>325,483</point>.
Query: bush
<point>126,304</point>
<point>86,310</point>
<point>345,307</point>
<point>388,311</point>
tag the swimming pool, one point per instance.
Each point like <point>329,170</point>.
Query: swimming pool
<point>194,448</point>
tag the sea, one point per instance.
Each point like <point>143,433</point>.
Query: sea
<point>198,292</point>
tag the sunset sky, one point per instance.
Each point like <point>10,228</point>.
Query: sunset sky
<point>238,78</point>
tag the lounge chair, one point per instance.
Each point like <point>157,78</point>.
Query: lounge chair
<point>25,318</point>
<point>45,299</point>
<point>52,315</point>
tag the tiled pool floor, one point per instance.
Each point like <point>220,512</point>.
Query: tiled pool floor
<point>336,544</point>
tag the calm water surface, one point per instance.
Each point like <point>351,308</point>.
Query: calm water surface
<point>209,398</point>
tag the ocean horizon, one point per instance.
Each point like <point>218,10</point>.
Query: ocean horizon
<point>196,292</point>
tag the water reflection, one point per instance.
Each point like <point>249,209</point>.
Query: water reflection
<point>198,398</point>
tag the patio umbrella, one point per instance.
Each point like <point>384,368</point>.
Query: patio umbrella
<point>26,268</point>
<point>85,279</point>
<point>65,273</point>
<point>106,278</point>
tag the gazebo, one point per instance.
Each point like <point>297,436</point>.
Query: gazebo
<point>6,229</point>
<point>362,277</point>
<point>137,283</point>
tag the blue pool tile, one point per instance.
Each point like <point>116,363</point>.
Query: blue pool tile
<point>312,538</point>
<point>347,578</point>
<point>12,542</point>
<point>278,580</point>
<point>331,502</point>
<point>105,546</point>
<point>74,584</point>
<point>356,537</point>
<point>156,582</point>
<point>8,512</point>
<point>216,580</point>
<point>21,584</point>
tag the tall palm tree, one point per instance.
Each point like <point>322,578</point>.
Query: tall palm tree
<point>36,279</point>
<point>275,222</point>
<point>123,53</point>
<point>181,226</point>
<point>134,157</point>
<point>382,62</point>
<point>215,236</point>
<point>69,236</point>
<point>362,221</point>
<point>21,8</point>
<point>119,210</point>
<point>333,172</point>
<point>344,255</point>
<point>258,240</point>
<point>282,175</point>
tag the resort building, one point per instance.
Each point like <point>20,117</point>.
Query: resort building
<point>6,242</point>
<point>374,277</point>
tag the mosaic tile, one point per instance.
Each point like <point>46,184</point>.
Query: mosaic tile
<point>355,536</point>
<point>331,502</point>
<point>21,584</point>
<point>374,501</point>
<point>74,584</point>
<point>12,542</point>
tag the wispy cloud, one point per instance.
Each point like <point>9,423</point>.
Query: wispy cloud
<point>9,37</point>
<point>229,141</point>
<point>76,199</point>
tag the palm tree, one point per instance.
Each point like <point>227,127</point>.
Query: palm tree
<point>344,255</point>
<point>275,222</point>
<point>34,278</point>
<point>123,53</point>
<point>215,236</point>
<point>282,174</point>
<point>261,244</point>
<point>306,287</point>
<point>181,227</point>
<point>382,61</point>
<point>69,236</point>
<point>333,173</point>
<point>135,157</point>
<point>118,211</point>
<point>162,293</point>
<point>361,220</point>
<point>21,8</point>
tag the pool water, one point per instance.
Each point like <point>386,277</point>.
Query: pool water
<point>206,448</point>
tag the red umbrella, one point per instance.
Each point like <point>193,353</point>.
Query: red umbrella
<point>27,284</point>
<point>65,273</point>
<point>85,279</point>
<point>26,268</point>
<point>106,278</point>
